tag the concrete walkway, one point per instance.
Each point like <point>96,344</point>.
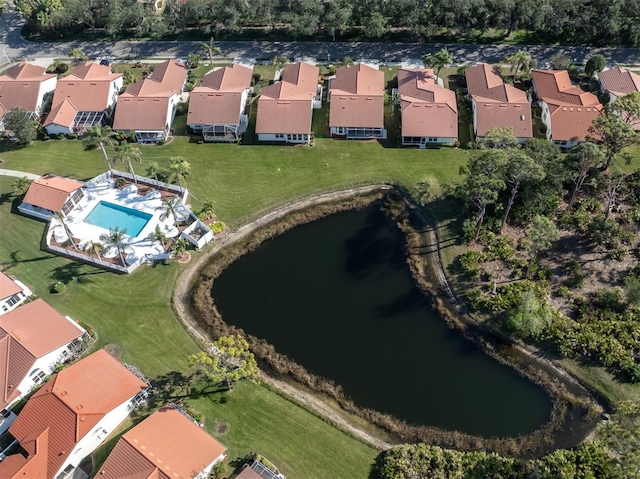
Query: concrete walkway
<point>18,174</point>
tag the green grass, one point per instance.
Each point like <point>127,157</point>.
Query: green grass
<point>602,381</point>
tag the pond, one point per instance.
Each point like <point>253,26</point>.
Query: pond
<point>336,295</point>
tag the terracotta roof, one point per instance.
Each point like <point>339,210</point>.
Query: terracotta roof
<point>86,89</point>
<point>141,113</point>
<point>427,109</point>
<point>285,106</point>
<point>248,473</point>
<point>498,105</point>
<point>20,85</point>
<point>357,97</point>
<point>70,405</point>
<point>8,287</point>
<point>219,99</point>
<point>572,109</point>
<point>619,81</point>
<point>144,104</point>
<point>51,192</point>
<point>147,448</point>
<point>16,364</point>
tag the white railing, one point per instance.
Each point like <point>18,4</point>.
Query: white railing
<point>180,190</point>
<point>201,240</point>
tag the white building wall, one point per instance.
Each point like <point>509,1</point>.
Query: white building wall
<point>97,435</point>
<point>46,87</point>
<point>207,470</point>
<point>22,297</point>
<point>54,129</point>
<point>114,91</point>
<point>546,118</point>
<point>271,137</point>
<point>475,116</point>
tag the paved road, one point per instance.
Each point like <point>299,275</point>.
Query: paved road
<point>14,47</point>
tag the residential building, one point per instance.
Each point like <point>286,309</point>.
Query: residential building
<point>496,104</point>
<point>567,111</point>
<point>168,444</point>
<point>429,112</point>
<point>147,108</point>
<point>70,416</point>
<point>12,293</point>
<point>34,338</point>
<point>26,87</point>
<point>51,194</point>
<point>82,99</point>
<point>218,108</point>
<point>356,95</point>
<point>619,82</point>
<point>285,108</point>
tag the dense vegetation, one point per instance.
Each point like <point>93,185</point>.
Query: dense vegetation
<point>593,22</point>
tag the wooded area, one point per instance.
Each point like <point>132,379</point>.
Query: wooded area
<point>591,22</point>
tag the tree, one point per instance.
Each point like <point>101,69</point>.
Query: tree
<point>611,131</point>
<point>20,185</point>
<point>158,235</point>
<point>170,208</point>
<point>193,59</point>
<point>337,14</point>
<point>279,61</point>
<point>100,136</point>
<point>530,316</point>
<point>21,123</point>
<point>622,437</point>
<point>94,247</point>
<point>178,170</point>
<point>207,211</point>
<point>560,61</point>
<point>520,168</point>
<point>115,238</point>
<point>209,49</point>
<point>485,180</point>
<point>63,222</point>
<point>127,153</point>
<point>375,25</point>
<point>347,61</point>
<point>614,181</point>
<point>438,60</point>
<point>628,107</point>
<point>501,138</point>
<point>78,55</point>
<point>227,360</point>
<point>595,64</point>
<point>521,60</point>
<point>542,234</point>
<point>581,161</point>
<point>179,247</point>
<point>152,170</point>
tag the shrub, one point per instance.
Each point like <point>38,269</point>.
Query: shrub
<point>470,263</point>
<point>58,287</point>
<point>255,79</point>
<point>608,299</point>
<point>189,86</point>
<point>218,227</point>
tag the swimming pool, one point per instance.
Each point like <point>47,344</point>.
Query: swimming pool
<point>108,215</point>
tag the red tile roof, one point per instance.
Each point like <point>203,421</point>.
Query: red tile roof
<point>248,473</point>
<point>285,106</point>
<point>16,364</point>
<point>20,85</point>
<point>357,97</point>
<point>498,105</point>
<point>219,99</point>
<point>428,110</point>
<point>619,81</point>
<point>144,104</point>
<point>68,407</point>
<point>86,89</point>
<point>8,287</point>
<point>51,192</point>
<point>572,109</point>
<point>148,449</point>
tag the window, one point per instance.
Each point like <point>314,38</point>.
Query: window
<point>13,299</point>
<point>279,135</point>
<point>65,473</point>
<point>99,434</point>
<point>37,375</point>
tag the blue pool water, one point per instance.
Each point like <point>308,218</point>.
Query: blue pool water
<point>107,215</point>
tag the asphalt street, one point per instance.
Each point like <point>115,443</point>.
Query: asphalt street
<point>13,48</point>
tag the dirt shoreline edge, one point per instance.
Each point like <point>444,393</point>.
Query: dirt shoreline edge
<point>182,302</point>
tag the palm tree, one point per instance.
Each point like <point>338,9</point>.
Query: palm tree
<point>209,49</point>
<point>179,247</point>
<point>127,154</point>
<point>170,208</point>
<point>207,211</point>
<point>60,217</point>
<point>115,239</point>
<point>94,247</point>
<point>438,60</point>
<point>158,235</point>
<point>521,60</point>
<point>280,61</point>
<point>152,170</point>
<point>78,55</point>
<point>20,185</point>
<point>177,170</point>
<point>347,61</point>
<point>99,136</point>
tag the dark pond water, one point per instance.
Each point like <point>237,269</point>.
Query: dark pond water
<point>337,296</point>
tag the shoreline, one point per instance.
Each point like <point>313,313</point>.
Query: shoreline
<point>202,272</point>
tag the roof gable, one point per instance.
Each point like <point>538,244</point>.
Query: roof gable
<point>235,78</point>
<point>619,81</point>
<point>8,287</point>
<point>51,192</point>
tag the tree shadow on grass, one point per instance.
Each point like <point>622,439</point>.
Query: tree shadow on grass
<point>176,386</point>
<point>73,270</point>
